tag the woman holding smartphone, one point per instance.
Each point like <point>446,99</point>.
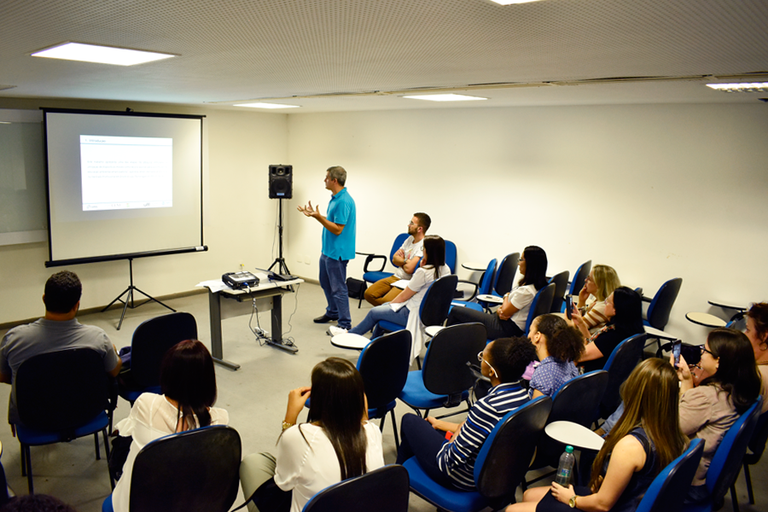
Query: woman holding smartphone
<point>644,441</point>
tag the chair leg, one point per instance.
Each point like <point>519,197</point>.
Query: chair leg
<point>106,450</point>
<point>96,444</point>
<point>23,462</point>
<point>28,459</point>
<point>394,428</point>
<point>748,479</point>
<point>734,498</point>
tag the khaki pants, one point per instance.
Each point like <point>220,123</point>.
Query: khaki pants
<point>382,291</point>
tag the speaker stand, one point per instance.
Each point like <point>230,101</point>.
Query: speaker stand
<point>282,268</point>
<point>129,302</point>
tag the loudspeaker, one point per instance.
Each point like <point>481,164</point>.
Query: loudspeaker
<point>280,181</point>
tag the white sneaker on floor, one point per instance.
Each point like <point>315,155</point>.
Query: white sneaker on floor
<point>333,330</point>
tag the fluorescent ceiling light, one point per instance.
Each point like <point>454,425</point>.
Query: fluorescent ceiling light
<point>266,105</point>
<point>100,54</point>
<point>741,87</point>
<point>510,2</point>
<point>445,97</point>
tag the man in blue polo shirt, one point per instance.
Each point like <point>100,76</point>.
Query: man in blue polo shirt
<point>338,246</point>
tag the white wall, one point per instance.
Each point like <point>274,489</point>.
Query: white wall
<point>656,191</point>
<point>239,219</point>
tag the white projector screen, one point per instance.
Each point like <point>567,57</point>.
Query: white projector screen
<point>122,185</point>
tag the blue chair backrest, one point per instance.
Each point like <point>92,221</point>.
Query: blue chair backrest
<point>450,255</point>
<point>383,490</point>
<point>726,463</point>
<point>384,365</point>
<point>399,240</point>
<point>661,305</point>
<point>505,275</point>
<point>437,300</point>
<point>579,277</point>
<point>665,492</point>
<point>541,304</point>
<point>487,281</point>
<point>503,459</point>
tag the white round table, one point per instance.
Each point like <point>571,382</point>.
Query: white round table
<point>350,341</point>
<point>578,436</point>
<point>493,299</point>
<point>705,319</point>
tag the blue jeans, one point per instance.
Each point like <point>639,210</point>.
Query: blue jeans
<point>333,280</point>
<point>375,315</point>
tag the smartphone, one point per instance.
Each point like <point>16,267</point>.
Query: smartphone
<point>676,345</point>
<point>568,306</point>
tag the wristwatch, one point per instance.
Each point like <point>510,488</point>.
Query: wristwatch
<point>572,501</point>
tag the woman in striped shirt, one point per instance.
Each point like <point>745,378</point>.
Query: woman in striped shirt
<point>447,451</point>
<point>600,283</point>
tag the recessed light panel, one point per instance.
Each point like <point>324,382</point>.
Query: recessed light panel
<point>445,97</point>
<point>100,54</point>
<point>266,105</point>
<point>510,2</point>
<point>741,87</point>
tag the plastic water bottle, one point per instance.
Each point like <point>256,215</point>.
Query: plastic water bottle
<point>565,468</point>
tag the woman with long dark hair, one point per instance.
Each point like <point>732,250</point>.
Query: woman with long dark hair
<point>432,267</point>
<point>643,442</point>
<point>730,385</point>
<point>338,442</point>
<point>557,346</point>
<point>623,308</point>
<point>509,319</point>
<point>757,332</point>
<point>188,385</point>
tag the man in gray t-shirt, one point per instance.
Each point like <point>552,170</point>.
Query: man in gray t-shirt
<point>406,259</point>
<point>57,330</point>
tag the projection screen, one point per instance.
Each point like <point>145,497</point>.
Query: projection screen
<point>122,185</point>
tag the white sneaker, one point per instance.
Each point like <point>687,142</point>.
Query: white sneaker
<point>333,330</point>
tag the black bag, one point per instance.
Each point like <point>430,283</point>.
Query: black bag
<point>120,448</point>
<point>356,288</point>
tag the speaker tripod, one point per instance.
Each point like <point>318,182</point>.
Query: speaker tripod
<point>282,268</point>
<point>129,302</point>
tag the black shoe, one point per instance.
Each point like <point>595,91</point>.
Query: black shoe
<point>324,319</point>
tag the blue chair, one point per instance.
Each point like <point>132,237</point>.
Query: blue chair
<point>57,404</point>
<point>504,279</point>
<point>580,277</point>
<point>192,470</point>
<point>726,463</point>
<point>384,365</point>
<point>450,255</point>
<point>483,287</point>
<point>542,304</point>
<point>150,341</point>
<point>371,276</point>
<point>446,377</point>
<point>499,468</point>
<point>665,492</point>
<point>624,358</point>
<point>434,306</point>
<point>382,490</point>
<point>577,401</point>
<point>561,284</point>
<point>756,447</point>
<point>660,306</point>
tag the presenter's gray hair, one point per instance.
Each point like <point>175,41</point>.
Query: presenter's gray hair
<point>338,173</point>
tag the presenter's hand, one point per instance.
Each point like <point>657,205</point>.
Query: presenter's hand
<point>296,399</point>
<point>309,211</point>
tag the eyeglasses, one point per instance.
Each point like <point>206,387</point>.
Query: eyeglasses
<point>480,358</point>
<point>703,349</point>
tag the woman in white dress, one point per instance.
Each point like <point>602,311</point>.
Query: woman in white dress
<point>188,384</point>
<point>337,443</point>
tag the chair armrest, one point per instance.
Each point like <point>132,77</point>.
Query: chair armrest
<point>474,286</point>
<point>370,258</point>
<point>646,299</point>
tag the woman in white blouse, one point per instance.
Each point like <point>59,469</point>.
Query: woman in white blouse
<point>188,384</point>
<point>337,443</point>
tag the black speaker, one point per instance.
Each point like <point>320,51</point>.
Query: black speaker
<point>280,181</point>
